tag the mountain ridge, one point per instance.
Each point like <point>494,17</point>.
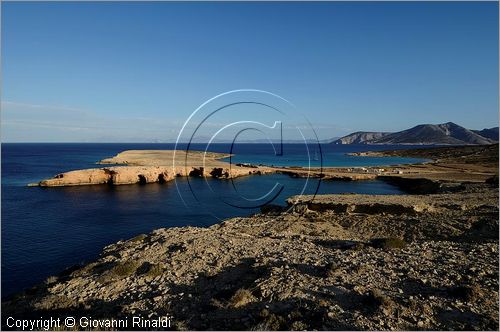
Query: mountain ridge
<point>448,133</point>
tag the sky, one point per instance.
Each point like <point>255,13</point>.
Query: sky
<point>134,72</point>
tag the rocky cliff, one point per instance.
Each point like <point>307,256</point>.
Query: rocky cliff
<point>150,166</point>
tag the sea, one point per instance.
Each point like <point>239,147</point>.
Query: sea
<point>46,230</point>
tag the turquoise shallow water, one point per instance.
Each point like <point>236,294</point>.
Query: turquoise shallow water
<point>329,159</point>
<point>326,155</point>
<point>45,230</point>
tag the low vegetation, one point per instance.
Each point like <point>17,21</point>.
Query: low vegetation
<point>124,269</point>
<point>150,270</point>
<point>378,300</point>
<point>139,238</point>
<point>52,279</point>
<point>241,298</point>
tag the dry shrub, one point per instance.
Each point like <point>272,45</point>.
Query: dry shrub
<point>241,298</point>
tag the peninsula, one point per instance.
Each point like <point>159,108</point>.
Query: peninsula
<point>158,166</point>
<point>149,166</point>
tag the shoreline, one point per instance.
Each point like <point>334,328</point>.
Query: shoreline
<point>157,166</point>
<point>151,166</point>
<point>349,261</point>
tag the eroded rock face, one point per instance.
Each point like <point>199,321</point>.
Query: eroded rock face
<point>87,176</point>
<point>219,172</point>
<point>150,166</point>
<point>121,175</point>
<point>414,185</point>
<point>113,175</point>
<point>375,208</point>
<point>197,172</point>
<point>389,204</point>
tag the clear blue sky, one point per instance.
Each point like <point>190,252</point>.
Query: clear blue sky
<point>134,71</point>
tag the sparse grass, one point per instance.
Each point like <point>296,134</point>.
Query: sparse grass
<point>138,238</point>
<point>155,271</point>
<point>98,268</point>
<point>104,271</point>
<point>150,270</point>
<point>56,302</point>
<point>216,303</point>
<point>241,298</point>
<point>270,322</point>
<point>388,243</point>
<point>298,326</point>
<point>323,303</point>
<point>124,269</point>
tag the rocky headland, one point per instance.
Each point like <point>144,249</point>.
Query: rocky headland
<point>152,166</point>
<point>469,163</point>
<point>349,262</point>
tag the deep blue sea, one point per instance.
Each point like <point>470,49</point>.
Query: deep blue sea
<point>45,230</point>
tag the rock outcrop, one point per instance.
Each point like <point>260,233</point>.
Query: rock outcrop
<point>120,175</point>
<point>150,166</point>
<point>382,263</point>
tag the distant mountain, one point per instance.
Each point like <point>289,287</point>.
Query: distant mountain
<point>360,137</point>
<point>491,133</point>
<point>446,133</point>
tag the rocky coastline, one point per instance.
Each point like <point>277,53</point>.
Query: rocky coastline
<point>158,166</point>
<point>349,262</point>
<point>152,166</point>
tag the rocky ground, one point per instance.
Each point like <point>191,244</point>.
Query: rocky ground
<point>345,262</point>
<point>451,163</point>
